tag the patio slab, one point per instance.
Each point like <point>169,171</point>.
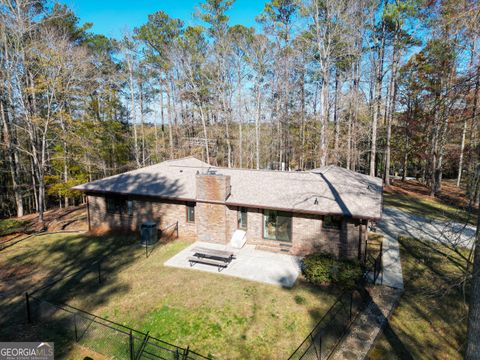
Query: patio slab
<point>249,263</point>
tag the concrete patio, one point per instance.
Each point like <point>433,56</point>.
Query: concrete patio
<point>250,264</point>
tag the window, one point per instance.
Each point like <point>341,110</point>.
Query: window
<point>119,205</point>
<point>242,218</point>
<point>332,222</point>
<point>191,213</point>
<point>277,225</point>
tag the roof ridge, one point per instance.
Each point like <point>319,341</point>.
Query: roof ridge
<point>265,170</point>
<point>330,166</point>
<point>181,158</point>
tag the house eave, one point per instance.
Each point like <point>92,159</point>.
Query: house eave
<point>227,203</point>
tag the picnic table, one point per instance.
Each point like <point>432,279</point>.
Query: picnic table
<point>219,258</point>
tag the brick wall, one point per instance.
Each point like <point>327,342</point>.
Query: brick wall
<point>163,213</point>
<point>212,187</point>
<point>217,223</point>
<point>308,236</point>
<point>211,218</point>
<point>211,223</point>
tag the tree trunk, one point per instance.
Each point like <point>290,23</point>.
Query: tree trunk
<point>474,123</point>
<point>226,119</point>
<point>162,113</point>
<point>11,160</point>
<point>257,128</point>
<point>473,338</point>
<point>131,85</point>
<point>170,125</point>
<point>240,117</point>
<point>34,185</point>
<point>391,107</point>
<point>324,117</point>
<point>377,100</point>
<point>142,120</point>
<point>405,165</point>
<point>335,118</point>
<point>462,148</point>
<point>205,134</point>
<point>302,119</point>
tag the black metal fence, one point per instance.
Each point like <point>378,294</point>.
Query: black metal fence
<point>326,335</point>
<point>65,323</point>
<point>373,260</point>
<point>62,321</point>
<point>165,234</point>
<point>329,331</point>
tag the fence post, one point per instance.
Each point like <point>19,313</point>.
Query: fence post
<point>177,229</point>
<point>365,251</point>
<point>176,355</point>
<point>320,348</point>
<point>130,338</point>
<point>75,326</point>
<point>185,353</point>
<point>27,303</point>
<point>146,248</point>
<point>381,261</point>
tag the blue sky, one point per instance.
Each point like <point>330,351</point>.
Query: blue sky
<point>113,17</point>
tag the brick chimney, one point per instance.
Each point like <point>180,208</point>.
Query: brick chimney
<point>213,186</point>
<point>211,217</point>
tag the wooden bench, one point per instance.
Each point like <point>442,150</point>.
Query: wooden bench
<point>208,261</point>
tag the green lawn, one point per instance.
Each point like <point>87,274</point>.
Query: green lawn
<point>214,314</point>
<point>9,226</point>
<point>430,321</point>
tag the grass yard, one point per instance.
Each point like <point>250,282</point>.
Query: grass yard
<point>412,196</point>
<point>9,226</point>
<point>430,320</point>
<point>214,314</point>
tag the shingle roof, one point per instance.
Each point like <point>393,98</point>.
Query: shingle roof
<point>327,190</point>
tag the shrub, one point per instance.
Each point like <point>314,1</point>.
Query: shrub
<point>300,300</point>
<point>325,269</point>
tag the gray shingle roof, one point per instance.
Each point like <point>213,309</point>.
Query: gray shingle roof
<point>327,190</point>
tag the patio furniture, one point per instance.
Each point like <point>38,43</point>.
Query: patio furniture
<point>219,258</point>
<point>203,260</point>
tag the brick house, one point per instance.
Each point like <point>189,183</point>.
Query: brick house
<point>296,212</point>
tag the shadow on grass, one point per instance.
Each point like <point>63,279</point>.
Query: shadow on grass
<point>429,208</point>
<point>430,320</point>
<point>60,257</point>
<point>46,261</point>
<point>423,207</point>
<point>397,345</point>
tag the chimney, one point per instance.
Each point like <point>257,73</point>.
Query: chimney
<point>212,186</point>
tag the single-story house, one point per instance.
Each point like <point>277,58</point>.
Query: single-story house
<point>296,212</point>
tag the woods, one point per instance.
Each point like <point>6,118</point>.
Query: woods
<point>381,87</point>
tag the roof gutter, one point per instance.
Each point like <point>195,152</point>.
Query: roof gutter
<point>229,203</point>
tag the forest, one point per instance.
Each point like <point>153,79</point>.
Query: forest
<point>383,87</point>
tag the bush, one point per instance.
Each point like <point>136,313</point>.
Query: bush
<point>325,269</point>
